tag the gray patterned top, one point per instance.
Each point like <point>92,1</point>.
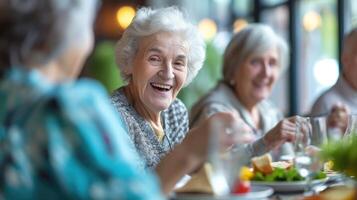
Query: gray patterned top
<point>175,125</point>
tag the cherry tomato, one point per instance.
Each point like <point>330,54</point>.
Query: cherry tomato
<point>241,187</point>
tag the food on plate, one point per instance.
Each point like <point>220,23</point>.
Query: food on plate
<point>246,174</point>
<point>241,187</point>
<point>266,170</point>
<point>199,183</point>
<point>262,164</point>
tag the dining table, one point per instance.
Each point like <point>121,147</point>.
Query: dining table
<point>336,187</point>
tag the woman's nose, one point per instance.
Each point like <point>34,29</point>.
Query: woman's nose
<point>167,71</point>
<point>266,69</point>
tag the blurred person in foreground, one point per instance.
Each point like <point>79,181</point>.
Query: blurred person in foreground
<point>61,138</point>
<point>341,99</point>
<point>252,63</point>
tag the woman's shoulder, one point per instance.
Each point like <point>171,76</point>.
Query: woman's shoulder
<point>82,99</point>
<point>177,105</point>
<point>176,112</point>
<point>119,99</point>
<point>82,92</point>
<point>221,94</point>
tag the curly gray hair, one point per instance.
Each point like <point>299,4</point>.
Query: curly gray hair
<point>252,40</point>
<point>148,22</point>
<point>36,31</point>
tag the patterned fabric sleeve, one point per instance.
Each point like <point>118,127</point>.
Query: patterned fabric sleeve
<point>72,145</point>
<point>178,121</point>
<point>94,150</point>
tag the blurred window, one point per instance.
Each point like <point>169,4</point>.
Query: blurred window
<point>242,7</point>
<point>317,46</point>
<point>272,2</point>
<point>351,14</point>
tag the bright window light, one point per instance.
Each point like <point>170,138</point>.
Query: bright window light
<point>326,72</point>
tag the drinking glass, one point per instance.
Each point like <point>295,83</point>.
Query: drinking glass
<point>309,131</point>
<point>318,130</point>
<point>352,125</point>
<point>226,156</point>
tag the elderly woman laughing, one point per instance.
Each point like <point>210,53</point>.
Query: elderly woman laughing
<point>158,54</point>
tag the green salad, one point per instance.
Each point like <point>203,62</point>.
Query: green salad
<point>280,174</point>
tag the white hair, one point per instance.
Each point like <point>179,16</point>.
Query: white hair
<point>147,22</point>
<point>37,31</point>
<point>252,40</point>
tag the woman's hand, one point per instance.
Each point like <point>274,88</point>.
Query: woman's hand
<point>283,132</point>
<point>338,117</point>
<point>228,127</point>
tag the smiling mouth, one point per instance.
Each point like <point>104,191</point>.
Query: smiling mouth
<point>260,84</point>
<point>161,87</point>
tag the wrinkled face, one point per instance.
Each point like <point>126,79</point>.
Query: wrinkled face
<point>254,80</point>
<point>159,70</point>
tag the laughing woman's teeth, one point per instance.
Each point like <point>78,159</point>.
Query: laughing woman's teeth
<point>161,86</point>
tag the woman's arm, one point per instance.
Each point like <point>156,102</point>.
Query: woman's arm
<point>192,152</point>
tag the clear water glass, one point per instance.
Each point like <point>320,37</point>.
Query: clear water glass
<point>352,125</point>
<point>226,156</point>
<point>309,132</point>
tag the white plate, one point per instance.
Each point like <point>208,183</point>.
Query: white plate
<point>257,192</point>
<point>284,186</point>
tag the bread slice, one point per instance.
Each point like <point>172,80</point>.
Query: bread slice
<point>199,183</point>
<point>262,164</point>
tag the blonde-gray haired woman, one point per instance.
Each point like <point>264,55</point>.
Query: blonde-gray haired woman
<point>253,61</point>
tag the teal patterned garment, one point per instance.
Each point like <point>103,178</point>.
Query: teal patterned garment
<point>65,142</point>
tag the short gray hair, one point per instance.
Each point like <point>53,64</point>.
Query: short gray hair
<point>37,31</point>
<point>252,40</point>
<point>147,22</point>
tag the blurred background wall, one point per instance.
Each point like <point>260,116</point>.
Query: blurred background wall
<point>312,28</point>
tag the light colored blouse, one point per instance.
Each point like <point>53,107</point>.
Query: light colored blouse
<point>341,92</point>
<point>147,144</point>
<point>65,142</point>
<point>222,98</point>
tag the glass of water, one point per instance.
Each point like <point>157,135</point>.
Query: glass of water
<point>227,155</point>
<point>308,134</point>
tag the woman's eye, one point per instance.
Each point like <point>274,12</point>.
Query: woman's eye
<point>154,58</point>
<point>180,63</point>
<point>255,61</point>
<point>273,63</point>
